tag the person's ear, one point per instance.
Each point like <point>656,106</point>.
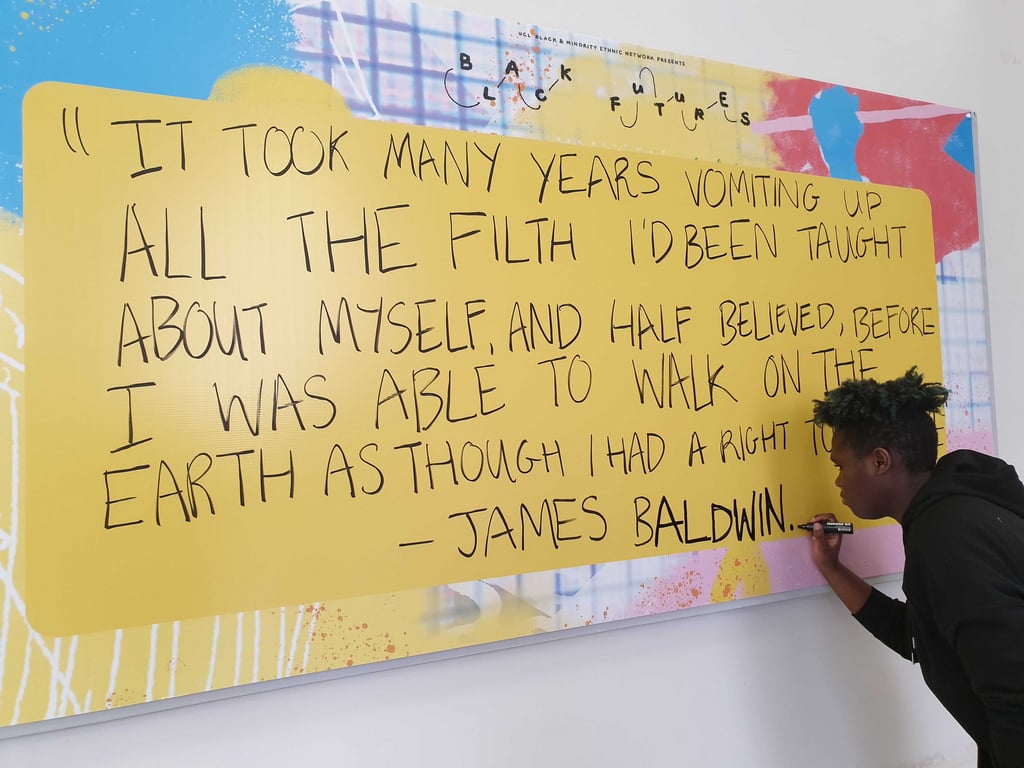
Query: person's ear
<point>881,460</point>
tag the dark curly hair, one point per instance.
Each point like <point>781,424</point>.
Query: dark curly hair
<point>896,415</point>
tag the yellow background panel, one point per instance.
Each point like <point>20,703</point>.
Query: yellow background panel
<point>392,307</point>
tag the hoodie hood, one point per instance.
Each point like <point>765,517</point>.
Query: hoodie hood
<point>969,473</point>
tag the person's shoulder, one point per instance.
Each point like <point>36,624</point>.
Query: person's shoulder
<point>955,524</point>
<point>969,460</point>
<point>952,513</point>
<point>952,507</point>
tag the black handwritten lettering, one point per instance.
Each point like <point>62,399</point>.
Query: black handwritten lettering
<point>845,244</point>
<point>625,180</point>
<point>838,365</point>
<point>338,462</point>
<point>644,453</point>
<point>558,326</point>
<point>136,242</point>
<point>893,320</point>
<point>538,240</point>
<point>195,332</point>
<point>676,383</point>
<point>454,168</point>
<point>712,187</point>
<point>469,462</point>
<point>547,521</point>
<point>422,326</point>
<point>388,221</point>
<point>431,394</point>
<point>293,148</point>
<point>643,327</point>
<point>281,402</point>
<point>760,321</point>
<point>738,241</point>
<point>132,441</point>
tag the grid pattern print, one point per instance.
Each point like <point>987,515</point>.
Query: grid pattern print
<point>426,66</point>
<point>965,351</point>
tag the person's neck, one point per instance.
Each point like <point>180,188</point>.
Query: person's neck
<point>911,484</point>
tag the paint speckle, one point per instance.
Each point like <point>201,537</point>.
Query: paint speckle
<point>682,588</point>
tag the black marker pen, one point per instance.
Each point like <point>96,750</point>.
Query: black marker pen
<point>829,526</point>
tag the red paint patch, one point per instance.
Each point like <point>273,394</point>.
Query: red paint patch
<point>903,153</point>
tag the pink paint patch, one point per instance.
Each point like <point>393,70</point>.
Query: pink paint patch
<point>982,441</point>
<point>707,563</point>
<point>687,585</point>
<point>876,551</point>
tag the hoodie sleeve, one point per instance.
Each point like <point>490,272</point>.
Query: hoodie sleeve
<point>972,572</point>
<point>886,619</point>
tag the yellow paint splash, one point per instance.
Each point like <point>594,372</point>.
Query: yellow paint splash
<point>742,573</point>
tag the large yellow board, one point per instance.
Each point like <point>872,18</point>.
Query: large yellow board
<point>279,354</point>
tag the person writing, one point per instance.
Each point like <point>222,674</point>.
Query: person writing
<point>963,535</point>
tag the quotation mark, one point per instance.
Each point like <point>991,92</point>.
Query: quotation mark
<point>78,132</point>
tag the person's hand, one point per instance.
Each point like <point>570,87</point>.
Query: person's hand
<point>825,546</point>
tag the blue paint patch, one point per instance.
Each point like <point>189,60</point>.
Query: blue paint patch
<point>177,48</point>
<point>960,145</point>
<point>838,129</point>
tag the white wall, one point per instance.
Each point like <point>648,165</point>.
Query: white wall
<point>789,684</point>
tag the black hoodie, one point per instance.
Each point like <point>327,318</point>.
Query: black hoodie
<point>963,621</point>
